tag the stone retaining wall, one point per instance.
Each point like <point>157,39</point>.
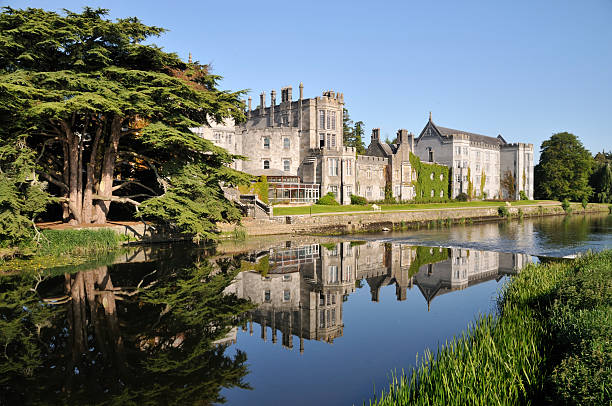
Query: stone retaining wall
<point>334,223</point>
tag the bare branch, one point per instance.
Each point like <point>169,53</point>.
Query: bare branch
<point>132,182</point>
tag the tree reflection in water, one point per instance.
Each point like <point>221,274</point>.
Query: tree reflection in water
<point>146,335</point>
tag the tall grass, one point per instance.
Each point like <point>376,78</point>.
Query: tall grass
<point>518,356</point>
<point>62,242</point>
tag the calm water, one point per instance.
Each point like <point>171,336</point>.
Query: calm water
<point>292,323</point>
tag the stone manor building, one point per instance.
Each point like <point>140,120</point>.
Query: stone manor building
<point>298,146</point>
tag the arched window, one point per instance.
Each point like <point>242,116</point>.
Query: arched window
<point>266,164</point>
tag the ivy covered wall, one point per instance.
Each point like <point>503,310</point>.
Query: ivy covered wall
<point>430,177</point>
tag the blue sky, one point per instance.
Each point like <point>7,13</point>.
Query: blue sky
<point>525,69</point>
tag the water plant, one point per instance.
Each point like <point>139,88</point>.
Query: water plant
<point>521,214</point>
<point>565,204</point>
<point>503,211</point>
<point>240,233</point>
<point>547,343</point>
<point>62,242</point>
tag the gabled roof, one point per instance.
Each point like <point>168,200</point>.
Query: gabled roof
<point>449,132</point>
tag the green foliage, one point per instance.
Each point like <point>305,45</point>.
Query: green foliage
<point>155,345</point>
<point>462,197</point>
<point>503,211</point>
<point>240,233</point>
<point>352,135</point>
<point>584,203</point>
<point>91,84</point>
<point>358,200</point>
<point>523,195</point>
<point>427,255</point>
<point>389,199</point>
<point>22,197</point>
<point>428,180</point>
<point>62,242</point>
<point>601,181</point>
<point>470,192</point>
<point>508,184</point>
<point>262,189</point>
<point>262,266</point>
<point>564,169</point>
<point>328,200</point>
<point>483,180</point>
<point>565,204</point>
<point>548,344</point>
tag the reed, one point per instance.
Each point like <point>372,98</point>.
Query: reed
<point>61,242</point>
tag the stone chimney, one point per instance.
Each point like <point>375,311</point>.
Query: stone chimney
<point>262,102</point>
<point>249,106</point>
<point>301,91</point>
<point>272,103</point>
<point>375,134</point>
<point>402,136</point>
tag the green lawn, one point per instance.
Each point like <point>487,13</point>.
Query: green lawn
<point>316,208</point>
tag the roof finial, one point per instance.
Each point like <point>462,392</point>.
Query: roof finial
<point>190,61</point>
<point>430,116</point>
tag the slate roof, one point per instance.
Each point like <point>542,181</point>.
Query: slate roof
<point>447,132</point>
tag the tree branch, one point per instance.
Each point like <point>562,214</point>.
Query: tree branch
<point>53,180</point>
<point>129,182</point>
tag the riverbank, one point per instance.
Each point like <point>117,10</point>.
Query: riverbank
<point>548,344</point>
<point>337,223</point>
<point>61,247</point>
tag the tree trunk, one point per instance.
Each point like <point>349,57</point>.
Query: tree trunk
<point>73,159</point>
<point>91,174</point>
<point>66,179</point>
<point>105,187</point>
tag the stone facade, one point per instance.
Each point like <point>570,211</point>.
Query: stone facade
<point>302,139</point>
<point>474,157</point>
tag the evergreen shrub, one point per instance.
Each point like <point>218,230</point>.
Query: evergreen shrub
<point>328,200</point>
<point>358,200</point>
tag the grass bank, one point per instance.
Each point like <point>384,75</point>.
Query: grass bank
<point>317,208</point>
<point>61,247</point>
<point>548,344</point>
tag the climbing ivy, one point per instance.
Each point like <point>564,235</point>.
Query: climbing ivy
<point>424,184</point>
<point>470,184</point>
<point>425,256</point>
<point>483,180</point>
<point>259,188</point>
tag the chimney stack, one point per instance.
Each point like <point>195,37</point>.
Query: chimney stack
<point>301,91</point>
<point>272,103</point>
<point>375,134</point>
<point>262,102</point>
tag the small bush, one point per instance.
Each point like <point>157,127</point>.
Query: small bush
<point>523,195</point>
<point>358,200</point>
<point>462,197</point>
<point>610,208</point>
<point>521,214</point>
<point>565,204</point>
<point>328,200</point>
<point>503,211</point>
<point>584,203</point>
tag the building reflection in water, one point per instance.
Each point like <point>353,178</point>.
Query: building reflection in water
<point>302,290</point>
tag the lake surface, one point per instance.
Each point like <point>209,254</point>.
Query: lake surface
<point>296,322</point>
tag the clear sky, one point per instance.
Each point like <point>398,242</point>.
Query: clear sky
<point>525,69</point>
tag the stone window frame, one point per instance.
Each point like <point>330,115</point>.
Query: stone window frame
<point>286,164</point>
<point>333,140</point>
<point>286,143</point>
<point>349,167</point>
<point>333,166</point>
<point>321,119</point>
<point>332,114</point>
<point>266,142</point>
<point>286,295</point>
<point>264,162</point>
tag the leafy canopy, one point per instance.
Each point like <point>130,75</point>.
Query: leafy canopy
<point>87,96</point>
<point>564,169</point>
